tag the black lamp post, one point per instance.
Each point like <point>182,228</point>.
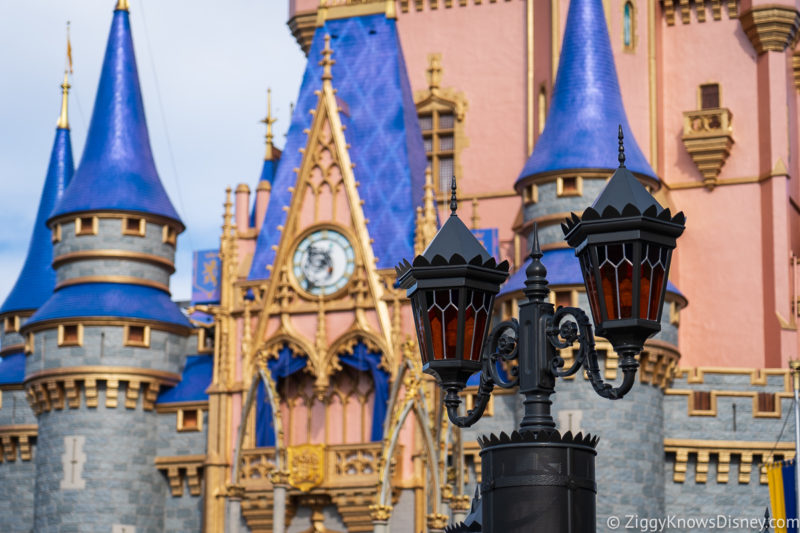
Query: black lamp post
<point>537,479</point>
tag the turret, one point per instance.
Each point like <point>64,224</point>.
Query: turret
<point>34,285</point>
<point>109,338</point>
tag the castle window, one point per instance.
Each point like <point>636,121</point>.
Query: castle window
<point>29,344</point>
<point>562,299</point>
<point>441,115</point>
<point>766,402</point>
<point>169,235</point>
<point>190,419</point>
<point>569,186</point>
<point>86,226</point>
<point>701,400</point>
<point>133,226</point>
<point>56,235</point>
<point>137,336</point>
<point>11,324</point>
<point>629,27</point>
<point>530,194</point>
<point>709,96</point>
<point>542,105</point>
<point>205,340</point>
<point>70,335</point>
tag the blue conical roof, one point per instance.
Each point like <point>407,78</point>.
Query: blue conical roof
<point>586,108</point>
<point>378,110</point>
<point>117,171</point>
<point>37,279</point>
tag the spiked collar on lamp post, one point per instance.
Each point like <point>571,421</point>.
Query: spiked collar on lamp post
<point>624,242</point>
<point>452,286</point>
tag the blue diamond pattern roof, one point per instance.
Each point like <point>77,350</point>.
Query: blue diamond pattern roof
<point>116,300</point>
<point>117,171</point>
<point>195,379</point>
<point>37,278</point>
<point>12,368</point>
<point>382,130</point>
<point>586,107</point>
<point>563,268</point>
<point>268,175</point>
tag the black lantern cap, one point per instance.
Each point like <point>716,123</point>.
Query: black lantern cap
<point>624,242</point>
<point>452,285</point>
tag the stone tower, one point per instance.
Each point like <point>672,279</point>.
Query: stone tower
<point>574,156</point>
<point>109,337</point>
<point>33,287</point>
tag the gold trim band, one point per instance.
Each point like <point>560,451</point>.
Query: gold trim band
<point>132,280</point>
<point>149,217</point>
<point>113,254</point>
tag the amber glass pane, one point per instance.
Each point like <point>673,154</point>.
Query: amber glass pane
<point>591,286</point>
<point>481,319</point>
<point>469,323</point>
<point>646,275</point>
<point>656,287</point>
<point>625,280</point>
<point>437,327</point>
<point>451,329</point>
<point>476,315</point>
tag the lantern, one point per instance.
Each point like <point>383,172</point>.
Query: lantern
<point>452,286</point>
<point>624,242</point>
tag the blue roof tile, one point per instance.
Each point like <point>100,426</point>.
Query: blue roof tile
<point>382,130</point>
<point>111,300</point>
<point>563,268</point>
<point>37,278</point>
<point>195,379</point>
<point>12,369</point>
<point>117,171</point>
<point>586,107</point>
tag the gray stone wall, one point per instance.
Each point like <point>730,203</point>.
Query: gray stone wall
<point>549,203</point>
<point>712,499</point>
<point>122,486</point>
<point>183,514</point>
<point>112,267</point>
<point>172,442</point>
<point>109,237</point>
<point>103,345</point>
<point>15,409</point>
<point>16,496</point>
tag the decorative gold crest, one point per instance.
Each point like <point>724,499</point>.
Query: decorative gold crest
<point>306,466</point>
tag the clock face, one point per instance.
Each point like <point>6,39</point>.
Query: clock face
<point>323,262</point>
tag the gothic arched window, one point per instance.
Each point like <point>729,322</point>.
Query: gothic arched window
<point>628,26</point>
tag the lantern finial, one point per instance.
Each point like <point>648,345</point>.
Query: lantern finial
<point>621,148</point>
<point>536,273</point>
<point>453,199</point>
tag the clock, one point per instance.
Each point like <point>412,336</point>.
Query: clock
<point>323,262</point>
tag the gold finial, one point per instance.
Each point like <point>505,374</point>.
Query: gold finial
<point>426,215</point>
<point>63,120</point>
<point>327,62</point>
<point>122,5</point>
<point>434,71</point>
<point>269,120</point>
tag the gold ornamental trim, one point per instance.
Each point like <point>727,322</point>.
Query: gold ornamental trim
<point>53,388</point>
<point>306,466</point>
<point>723,450</point>
<point>585,173</point>
<point>15,441</point>
<point>771,28</point>
<point>341,9</point>
<point>182,470</point>
<point>107,321</point>
<point>113,254</point>
<point>132,280</point>
<point>148,217</point>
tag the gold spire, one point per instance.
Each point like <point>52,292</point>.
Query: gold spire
<point>269,120</point>
<point>122,5</point>
<point>63,121</point>
<point>327,62</point>
<point>475,218</point>
<point>426,216</point>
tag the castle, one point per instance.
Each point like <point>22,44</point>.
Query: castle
<point>288,394</point>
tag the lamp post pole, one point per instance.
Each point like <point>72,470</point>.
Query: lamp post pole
<point>537,479</point>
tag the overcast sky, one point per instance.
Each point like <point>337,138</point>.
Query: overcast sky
<point>204,67</point>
